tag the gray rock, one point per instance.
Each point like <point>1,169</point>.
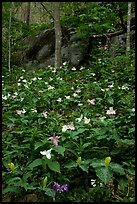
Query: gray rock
<point>42,48</point>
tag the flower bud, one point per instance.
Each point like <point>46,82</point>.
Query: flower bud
<point>107,161</point>
<point>78,161</point>
<point>11,166</point>
<point>44,183</point>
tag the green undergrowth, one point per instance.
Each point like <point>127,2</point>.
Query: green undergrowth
<point>69,126</point>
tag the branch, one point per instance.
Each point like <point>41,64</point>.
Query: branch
<point>109,35</point>
<point>47,10</point>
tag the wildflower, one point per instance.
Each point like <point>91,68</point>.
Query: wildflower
<point>33,110</point>
<point>11,166</point>
<point>21,99</point>
<point>4,97</point>
<point>79,119</point>
<point>111,86</point>
<point>19,112</point>
<point>46,153</point>
<point>46,83</point>
<point>67,97</point>
<point>34,79</point>
<point>59,99</point>
<point>80,104</point>
<point>73,69</point>
<point>45,114</point>
<point>55,140</point>
<point>54,71</point>
<point>71,126</point>
<point>64,128</point>
<point>111,111</point>
<point>24,80</point>
<point>102,118</point>
<point>39,78</point>
<point>133,109</point>
<point>40,91</point>
<point>86,120</point>
<point>50,87</point>
<point>13,96</point>
<point>59,189</point>
<point>91,101</point>
<point>75,95</point>
<point>93,74</point>
<point>26,86</point>
<point>78,91</point>
<point>64,63</point>
<point>23,70</point>
<point>93,182</point>
<point>81,68</point>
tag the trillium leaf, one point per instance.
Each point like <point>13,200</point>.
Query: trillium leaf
<point>53,165</point>
<point>104,173</point>
<point>37,145</point>
<point>84,167</point>
<point>117,168</point>
<point>60,150</point>
<point>35,163</point>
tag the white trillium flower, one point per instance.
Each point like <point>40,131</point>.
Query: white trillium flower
<point>67,97</point>
<point>34,79</point>
<point>86,120</point>
<point>59,99</point>
<point>64,128</point>
<point>46,153</point>
<point>75,94</point>
<point>73,69</point>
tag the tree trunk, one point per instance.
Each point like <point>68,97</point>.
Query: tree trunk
<point>9,38</point>
<point>58,34</point>
<point>28,13</point>
<point>128,29</point>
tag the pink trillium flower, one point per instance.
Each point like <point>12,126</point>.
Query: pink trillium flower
<point>111,111</point>
<point>71,126</point>
<point>55,140</point>
<point>91,101</point>
<point>19,112</point>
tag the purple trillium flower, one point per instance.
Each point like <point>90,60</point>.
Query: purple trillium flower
<point>58,188</point>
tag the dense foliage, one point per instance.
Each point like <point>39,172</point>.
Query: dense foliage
<point>67,134</point>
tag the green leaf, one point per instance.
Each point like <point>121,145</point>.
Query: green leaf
<point>123,181</point>
<point>27,175</point>
<point>79,131</point>
<point>53,165</point>
<point>110,100</point>
<point>104,173</point>
<point>14,180</point>
<point>37,145</point>
<point>97,163</point>
<point>11,189</point>
<point>70,165</point>
<point>50,192</point>
<point>35,163</point>
<point>86,145</point>
<point>117,168</point>
<point>60,150</point>
<point>84,167</point>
